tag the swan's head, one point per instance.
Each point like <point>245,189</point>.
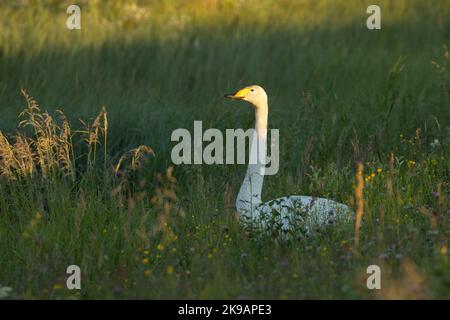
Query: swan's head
<point>253,94</point>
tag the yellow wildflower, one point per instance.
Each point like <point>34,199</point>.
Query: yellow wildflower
<point>170,270</point>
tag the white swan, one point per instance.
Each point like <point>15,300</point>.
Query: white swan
<point>291,215</point>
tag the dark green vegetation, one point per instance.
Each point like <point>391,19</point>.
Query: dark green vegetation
<point>338,92</point>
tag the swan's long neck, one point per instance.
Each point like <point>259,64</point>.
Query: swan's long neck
<point>250,192</point>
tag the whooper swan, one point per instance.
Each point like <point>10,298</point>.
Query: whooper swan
<point>290,215</point>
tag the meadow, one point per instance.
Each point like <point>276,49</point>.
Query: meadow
<point>85,170</point>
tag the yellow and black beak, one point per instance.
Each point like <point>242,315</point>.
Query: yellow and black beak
<point>239,95</point>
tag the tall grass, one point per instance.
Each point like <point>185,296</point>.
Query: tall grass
<point>92,193</point>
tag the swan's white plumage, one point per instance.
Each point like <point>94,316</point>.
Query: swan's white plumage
<point>293,214</point>
<point>296,214</point>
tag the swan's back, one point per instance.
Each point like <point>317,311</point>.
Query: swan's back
<point>298,214</point>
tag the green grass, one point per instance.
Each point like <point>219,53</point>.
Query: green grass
<point>338,92</point>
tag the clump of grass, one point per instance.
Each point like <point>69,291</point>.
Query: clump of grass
<point>165,200</point>
<point>136,158</point>
<point>359,202</point>
<point>93,132</point>
<point>49,152</point>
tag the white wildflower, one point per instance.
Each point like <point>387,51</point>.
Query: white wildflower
<point>435,144</point>
<point>4,291</point>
